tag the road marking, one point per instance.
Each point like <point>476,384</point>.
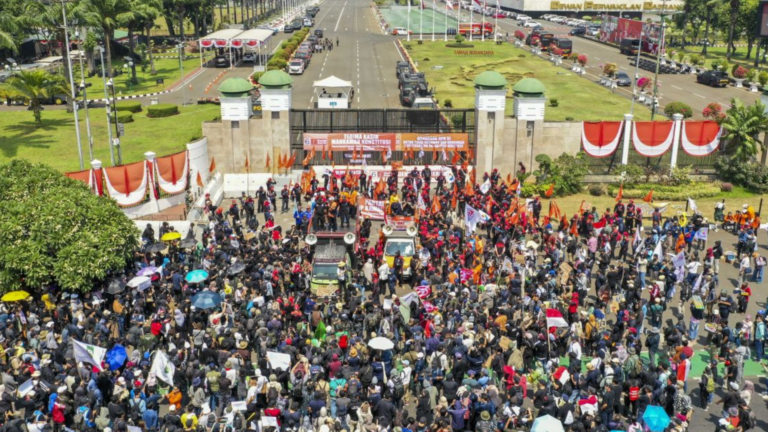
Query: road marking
<point>311,99</point>
<point>622,67</point>
<point>699,95</point>
<point>597,58</point>
<point>339,20</point>
<point>676,87</point>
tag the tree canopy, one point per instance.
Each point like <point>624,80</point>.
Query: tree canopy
<point>57,232</point>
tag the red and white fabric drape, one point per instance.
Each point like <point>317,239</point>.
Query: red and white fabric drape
<point>91,177</point>
<point>601,139</point>
<point>173,172</point>
<point>653,139</point>
<point>700,138</point>
<point>127,184</point>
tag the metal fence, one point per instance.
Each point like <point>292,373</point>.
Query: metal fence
<point>612,164</point>
<point>379,121</point>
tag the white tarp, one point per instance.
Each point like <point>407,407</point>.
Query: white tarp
<point>332,82</point>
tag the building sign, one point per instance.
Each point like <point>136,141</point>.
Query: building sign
<point>385,141</point>
<point>762,11</point>
<point>590,5</point>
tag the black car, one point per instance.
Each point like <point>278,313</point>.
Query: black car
<point>408,79</point>
<point>713,78</point>
<point>622,79</point>
<point>407,96</point>
<point>289,28</point>
<point>221,61</point>
<point>578,31</point>
<point>319,33</point>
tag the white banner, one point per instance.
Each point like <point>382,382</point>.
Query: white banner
<point>163,368</point>
<point>89,354</point>
<point>702,234</point>
<point>279,360</point>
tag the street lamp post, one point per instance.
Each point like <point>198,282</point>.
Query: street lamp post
<point>83,87</point>
<point>111,84</point>
<point>659,50</point>
<point>129,64</point>
<point>106,98</point>
<point>73,99</point>
<point>181,68</point>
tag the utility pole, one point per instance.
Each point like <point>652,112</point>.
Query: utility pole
<point>106,98</point>
<point>72,100</point>
<point>659,50</point>
<point>85,98</point>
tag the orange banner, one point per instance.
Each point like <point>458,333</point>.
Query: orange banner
<point>437,141</point>
<point>350,141</point>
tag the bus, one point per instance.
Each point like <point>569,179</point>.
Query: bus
<point>565,44</point>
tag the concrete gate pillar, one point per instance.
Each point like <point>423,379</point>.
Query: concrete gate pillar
<point>490,102</point>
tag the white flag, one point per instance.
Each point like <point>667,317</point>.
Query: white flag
<point>472,217</point>
<point>163,368</point>
<point>421,204</point>
<point>692,205</point>
<point>89,354</point>
<point>421,153</point>
<point>485,187</point>
<point>697,284</point>
<point>445,156</point>
<point>657,251</point>
<point>679,260</point>
<point>637,238</point>
<point>701,234</point>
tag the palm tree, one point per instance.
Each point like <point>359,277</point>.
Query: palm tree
<point>742,126</point>
<point>144,12</point>
<point>36,86</point>
<point>8,27</point>
<point>107,15</point>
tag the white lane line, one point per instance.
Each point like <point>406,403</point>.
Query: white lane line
<point>623,68</point>
<point>339,20</point>
<point>699,95</point>
<point>597,58</point>
<point>676,87</point>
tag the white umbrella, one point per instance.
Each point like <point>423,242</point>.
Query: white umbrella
<point>547,423</point>
<point>381,344</point>
<point>140,283</point>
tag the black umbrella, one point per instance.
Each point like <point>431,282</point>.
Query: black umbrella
<point>116,286</point>
<point>188,242</point>
<point>236,268</point>
<point>155,247</point>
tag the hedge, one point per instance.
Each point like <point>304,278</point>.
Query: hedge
<point>162,110</point>
<point>124,117</point>
<point>130,106</point>
<point>668,193</point>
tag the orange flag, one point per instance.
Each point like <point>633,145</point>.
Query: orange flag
<point>247,163</point>
<point>212,168</point>
<point>292,160</point>
<point>434,155</point>
<point>648,198</point>
<point>472,177</point>
<point>469,190</point>
<point>200,179</point>
<point>307,159</point>
<point>268,161</point>
<point>550,191</point>
<point>583,207</point>
<point>324,152</point>
<point>384,156</point>
<point>574,229</point>
<point>620,194</point>
<point>509,178</point>
<point>436,207</point>
<point>330,154</point>
<point>412,154</point>
<point>455,158</point>
<point>405,155</point>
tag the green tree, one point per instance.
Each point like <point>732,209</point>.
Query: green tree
<point>144,12</point>
<point>734,15</point>
<point>106,15</point>
<point>742,126</point>
<point>56,231</point>
<point>36,85</point>
<point>8,27</point>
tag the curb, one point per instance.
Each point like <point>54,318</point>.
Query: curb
<point>172,89</point>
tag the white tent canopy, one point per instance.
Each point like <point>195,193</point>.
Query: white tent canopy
<point>220,38</point>
<point>252,38</point>
<point>332,82</point>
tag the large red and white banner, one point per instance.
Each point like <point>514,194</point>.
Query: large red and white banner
<point>371,209</point>
<point>399,223</point>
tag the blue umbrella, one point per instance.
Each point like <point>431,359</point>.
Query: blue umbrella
<point>116,357</point>
<point>206,300</point>
<point>197,276</point>
<point>656,418</point>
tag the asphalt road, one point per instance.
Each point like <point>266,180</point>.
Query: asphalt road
<point>673,88</point>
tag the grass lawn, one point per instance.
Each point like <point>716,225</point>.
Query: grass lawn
<point>577,97</point>
<point>54,144</point>
<point>717,53</point>
<point>733,202</point>
<point>167,69</point>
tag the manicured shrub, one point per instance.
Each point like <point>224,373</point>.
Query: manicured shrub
<point>123,117</point>
<point>162,110</point>
<point>678,108</point>
<point>726,187</point>
<point>598,189</point>
<point>130,106</point>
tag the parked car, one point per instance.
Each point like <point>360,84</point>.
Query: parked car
<point>296,67</point>
<point>249,58</point>
<point>401,31</point>
<point>522,17</point>
<point>580,31</point>
<point>221,61</point>
<point>713,78</point>
<point>622,79</point>
<point>593,30</point>
<point>308,22</point>
<point>629,46</point>
<point>531,24</point>
<point>288,28</point>
<point>319,33</point>
<point>303,55</point>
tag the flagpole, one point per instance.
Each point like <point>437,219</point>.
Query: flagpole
<point>482,26</point>
<point>433,21</point>
<point>496,21</point>
<point>446,20</point>
<point>408,37</point>
<point>471,22</point>
<point>421,19</point>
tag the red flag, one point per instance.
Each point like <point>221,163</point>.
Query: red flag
<point>648,198</point>
<point>200,179</point>
<point>268,161</point>
<point>599,225</point>
<point>212,168</point>
<point>620,194</point>
<point>434,155</point>
<point>550,191</point>
<point>324,151</point>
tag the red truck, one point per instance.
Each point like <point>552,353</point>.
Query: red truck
<point>476,29</point>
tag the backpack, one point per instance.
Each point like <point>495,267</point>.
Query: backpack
<point>751,421</point>
<point>399,390</point>
<point>297,393</point>
<point>80,417</point>
<point>341,410</point>
<point>710,384</point>
<point>437,361</point>
<point>272,394</point>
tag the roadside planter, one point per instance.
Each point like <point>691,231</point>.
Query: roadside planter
<point>753,87</point>
<point>739,82</point>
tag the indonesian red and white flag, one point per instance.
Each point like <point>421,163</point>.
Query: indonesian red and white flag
<point>598,226</point>
<point>429,307</point>
<point>449,5</point>
<point>588,405</point>
<point>555,319</point>
<point>562,375</point>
